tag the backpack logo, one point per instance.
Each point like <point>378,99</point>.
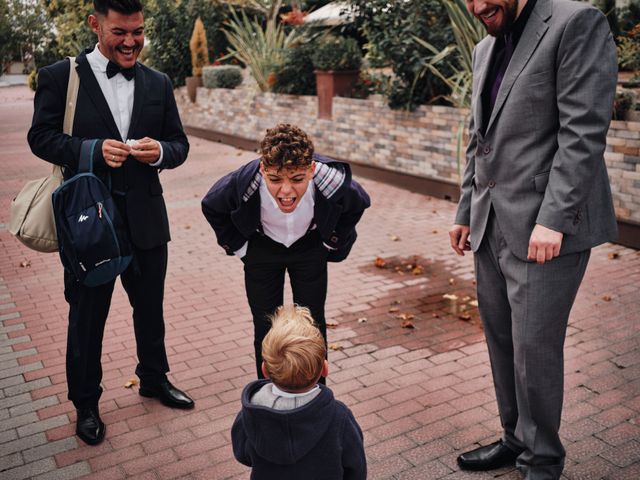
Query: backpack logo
<point>82,218</point>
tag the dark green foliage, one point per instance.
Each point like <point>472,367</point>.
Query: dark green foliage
<point>295,76</point>
<point>224,76</point>
<point>6,35</point>
<point>389,26</point>
<point>169,27</point>
<point>629,15</point>
<point>337,53</point>
<point>624,102</point>
<point>73,34</point>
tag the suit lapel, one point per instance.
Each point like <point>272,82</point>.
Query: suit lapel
<point>90,85</point>
<point>483,69</point>
<point>533,32</point>
<point>138,99</point>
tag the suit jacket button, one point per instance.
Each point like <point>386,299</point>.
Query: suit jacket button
<point>334,239</point>
<point>487,150</point>
<point>491,184</point>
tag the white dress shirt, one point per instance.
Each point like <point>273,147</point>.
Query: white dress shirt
<point>118,92</point>
<point>284,228</point>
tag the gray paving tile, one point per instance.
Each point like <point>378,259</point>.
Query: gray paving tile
<point>67,473</point>
<point>49,449</point>
<point>43,425</point>
<point>34,405</point>
<point>30,470</point>
<point>28,386</point>
<point>23,444</point>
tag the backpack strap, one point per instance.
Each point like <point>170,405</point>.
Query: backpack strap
<point>86,156</point>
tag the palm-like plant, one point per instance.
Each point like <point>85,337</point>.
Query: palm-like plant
<point>260,47</point>
<point>467,32</point>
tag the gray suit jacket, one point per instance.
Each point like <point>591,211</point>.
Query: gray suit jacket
<point>541,158</point>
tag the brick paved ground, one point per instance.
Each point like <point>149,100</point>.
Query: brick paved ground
<point>422,395</point>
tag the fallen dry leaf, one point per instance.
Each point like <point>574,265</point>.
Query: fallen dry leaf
<point>405,316</point>
<point>418,270</point>
<point>450,296</point>
<point>435,315</point>
<point>473,303</point>
<point>613,255</point>
<point>394,309</point>
<point>131,383</point>
<point>464,316</point>
<point>606,298</point>
<point>332,323</point>
<point>25,263</point>
<point>395,302</point>
<point>362,320</point>
<point>379,262</point>
<point>394,238</point>
<point>451,281</point>
<point>336,347</point>
<point>407,324</point>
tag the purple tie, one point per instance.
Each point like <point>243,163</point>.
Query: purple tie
<point>506,57</point>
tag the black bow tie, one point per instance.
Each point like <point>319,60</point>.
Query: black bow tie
<point>114,69</point>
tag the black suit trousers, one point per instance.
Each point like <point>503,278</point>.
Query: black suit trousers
<point>265,265</point>
<point>88,309</point>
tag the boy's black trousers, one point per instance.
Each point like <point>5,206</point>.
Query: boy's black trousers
<point>265,264</point>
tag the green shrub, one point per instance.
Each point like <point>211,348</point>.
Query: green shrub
<point>32,80</point>
<point>623,102</point>
<point>337,53</point>
<point>389,27</point>
<point>295,75</point>
<point>629,50</point>
<point>224,76</point>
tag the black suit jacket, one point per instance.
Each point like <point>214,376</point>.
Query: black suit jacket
<point>136,186</point>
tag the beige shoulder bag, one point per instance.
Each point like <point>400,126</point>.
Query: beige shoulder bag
<point>31,216</point>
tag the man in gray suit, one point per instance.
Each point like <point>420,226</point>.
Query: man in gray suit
<point>535,199</point>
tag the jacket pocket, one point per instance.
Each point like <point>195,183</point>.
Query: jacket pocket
<point>540,182</point>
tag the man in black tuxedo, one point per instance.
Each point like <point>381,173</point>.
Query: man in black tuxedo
<point>131,110</point>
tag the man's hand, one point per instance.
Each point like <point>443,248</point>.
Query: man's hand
<point>146,150</point>
<point>544,244</point>
<point>115,152</point>
<point>459,236</point>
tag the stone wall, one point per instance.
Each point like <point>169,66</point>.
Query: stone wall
<point>421,143</point>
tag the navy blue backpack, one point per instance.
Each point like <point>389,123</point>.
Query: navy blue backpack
<point>92,237</point>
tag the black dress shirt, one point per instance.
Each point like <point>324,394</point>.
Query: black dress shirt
<point>503,51</point>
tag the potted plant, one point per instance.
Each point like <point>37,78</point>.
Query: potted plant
<point>337,62</point>
<point>199,58</point>
<point>623,104</point>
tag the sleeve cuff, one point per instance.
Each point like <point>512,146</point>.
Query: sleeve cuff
<point>159,162</point>
<point>242,251</point>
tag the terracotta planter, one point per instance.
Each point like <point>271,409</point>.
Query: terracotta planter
<point>192,87</point>
<point>332,83</point>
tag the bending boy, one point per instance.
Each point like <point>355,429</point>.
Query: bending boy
<point>289,210</point>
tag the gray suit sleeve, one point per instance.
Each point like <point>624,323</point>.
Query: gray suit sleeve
<point>586,80</point>
<point>463,215</point>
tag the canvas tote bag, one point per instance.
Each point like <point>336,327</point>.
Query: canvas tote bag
<point>31,216</point>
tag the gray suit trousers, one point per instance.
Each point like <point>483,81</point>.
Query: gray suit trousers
<point>525,309</point>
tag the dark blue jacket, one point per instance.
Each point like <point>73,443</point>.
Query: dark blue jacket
<point>232,206</point>
<point>318,441</point>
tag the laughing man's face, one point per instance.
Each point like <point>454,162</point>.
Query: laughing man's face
<point>120,36</point>
<point>497,16</point>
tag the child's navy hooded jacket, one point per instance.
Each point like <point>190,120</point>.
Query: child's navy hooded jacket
<point>317,441</point>
<point>232,206</point>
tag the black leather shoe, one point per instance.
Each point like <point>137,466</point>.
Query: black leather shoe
<point>89,427</point>
<point>488,457</point>
<point>167,394</point>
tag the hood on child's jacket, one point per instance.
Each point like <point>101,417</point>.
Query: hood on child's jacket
<point>284,437</point>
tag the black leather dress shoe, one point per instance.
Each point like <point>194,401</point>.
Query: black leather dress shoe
<point>89,427</point>
<point>167,394</point>
<point>488,457</point>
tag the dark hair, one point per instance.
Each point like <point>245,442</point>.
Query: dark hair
<point>286,146</point>
<point>120,6</point>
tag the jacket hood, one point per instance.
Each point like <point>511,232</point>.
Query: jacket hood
<point>285,436</point>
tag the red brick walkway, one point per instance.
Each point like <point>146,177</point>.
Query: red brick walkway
<point>421,394</point>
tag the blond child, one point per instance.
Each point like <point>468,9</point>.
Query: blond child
<point>290,426</point>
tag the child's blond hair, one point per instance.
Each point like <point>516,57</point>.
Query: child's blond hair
<point>293,350</point>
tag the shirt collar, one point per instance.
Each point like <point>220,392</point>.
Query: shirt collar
<point>98,59</point>
<point>281,393</point>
